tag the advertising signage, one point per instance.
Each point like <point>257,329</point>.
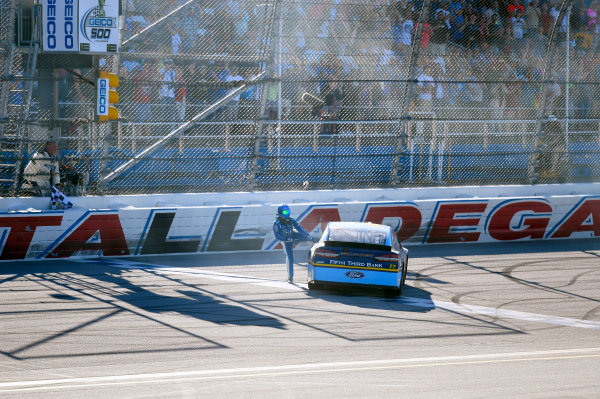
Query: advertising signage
<point>82,26</point>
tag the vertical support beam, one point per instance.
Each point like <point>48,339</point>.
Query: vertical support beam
<point>260,134</point>
<point>406,97</point>
<point>9,45</point>
<point>533,169</point>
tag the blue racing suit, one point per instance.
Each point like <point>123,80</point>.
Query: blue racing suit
<point>288,231</point>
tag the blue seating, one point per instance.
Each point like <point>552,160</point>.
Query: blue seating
<point>217,168</point>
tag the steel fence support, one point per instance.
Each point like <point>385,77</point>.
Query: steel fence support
<point>533,174</point>
<point>405,99</point>
<point>264,132</point>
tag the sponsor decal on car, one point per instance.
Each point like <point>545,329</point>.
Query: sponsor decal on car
<point>354,274</point>
<point>355,263</point>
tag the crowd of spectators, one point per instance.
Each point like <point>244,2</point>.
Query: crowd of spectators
<point>487,56</point>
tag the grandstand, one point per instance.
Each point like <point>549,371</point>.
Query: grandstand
<point>274,95</point>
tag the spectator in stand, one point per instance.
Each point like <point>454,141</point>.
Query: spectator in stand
<point>241,27</point>
<point>197,93</point>
<point>407,28</point>
<point>440,31</point>
<point>187,45</point>
<point>533,15</point>
<point>528,92</point>
<point>167,89</point>
<point>190,25</point>
<point>181,95</point>
<point>496,33</point>
<point>425,90</point>
<point>234,105</point>
<point>475,90</point>
<point>472,33</point>
<point>439,101</point>
<point>331,110</point>
<point>546,20</point>
<point>513,96</point>
<point>142,97</point>
<point>592,16</point>
<point>553,92</point>
<point>583,94</point>
<point>248,96</point>
<point>458,26</point>
<point>175,40</point>
<point>497,92</point>
<point>425,36</point>
<point>484,33</point>
<point>517,28</point>
<point>514,6</point>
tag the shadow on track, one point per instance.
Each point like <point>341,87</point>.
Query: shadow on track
<point>374,298</point>
<point>192,303</point>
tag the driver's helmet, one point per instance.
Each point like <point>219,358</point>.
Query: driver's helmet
<point>283,211</point>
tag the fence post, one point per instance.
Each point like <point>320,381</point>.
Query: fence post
<point>486,133</point>
<point>227,138</point>
<point>133,137</point>
<point>358,131</point>
<point>119,133</point>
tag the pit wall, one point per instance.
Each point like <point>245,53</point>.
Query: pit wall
<point>191,223</point>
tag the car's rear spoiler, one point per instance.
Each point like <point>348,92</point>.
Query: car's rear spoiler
<point>376,247</point>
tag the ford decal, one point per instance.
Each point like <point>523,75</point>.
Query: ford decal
<point>354,274</point>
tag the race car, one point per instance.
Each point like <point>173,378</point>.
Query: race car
<point>353,253</point>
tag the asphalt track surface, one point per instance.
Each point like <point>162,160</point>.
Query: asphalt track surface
<point>519,320</point>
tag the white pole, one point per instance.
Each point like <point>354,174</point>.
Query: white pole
<point>279,90</point>
<point>567,75</point>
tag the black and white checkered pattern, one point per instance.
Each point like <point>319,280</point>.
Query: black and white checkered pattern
<point>58,200</point>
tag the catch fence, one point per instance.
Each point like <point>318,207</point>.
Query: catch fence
<point>277,95</point>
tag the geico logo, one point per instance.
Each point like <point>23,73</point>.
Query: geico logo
<point>51,24</point>
<point>68,27</point>
<point>102,97</point>
<point>101,22</point>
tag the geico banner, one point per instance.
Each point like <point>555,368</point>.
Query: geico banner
<point>80,26</point>
<point>102,96</point>
<point>143,231</point>
<point>98,26</point>
<point>59,25</point>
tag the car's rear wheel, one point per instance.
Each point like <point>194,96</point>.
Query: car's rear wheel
<point>312,285</point>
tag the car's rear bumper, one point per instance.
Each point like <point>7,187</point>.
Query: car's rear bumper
<point>349,276</point>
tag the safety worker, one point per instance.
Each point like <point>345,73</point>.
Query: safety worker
<point>288,231</point>
<point>42,172</point>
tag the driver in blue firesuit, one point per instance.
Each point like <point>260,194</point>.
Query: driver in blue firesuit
<point>288,231</point>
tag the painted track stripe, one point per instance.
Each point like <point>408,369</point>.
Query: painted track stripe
<point>352,366</point>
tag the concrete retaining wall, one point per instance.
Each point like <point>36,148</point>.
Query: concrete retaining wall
<point>187,223</point>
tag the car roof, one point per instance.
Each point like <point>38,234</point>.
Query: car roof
<point>360,226</point>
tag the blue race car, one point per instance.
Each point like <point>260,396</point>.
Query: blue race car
<point>353,253</point>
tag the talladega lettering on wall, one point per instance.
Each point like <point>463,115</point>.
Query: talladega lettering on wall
<point>71,233</point>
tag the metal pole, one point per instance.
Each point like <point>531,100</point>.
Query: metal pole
<point>279,91</point>
<point>567,75</point>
